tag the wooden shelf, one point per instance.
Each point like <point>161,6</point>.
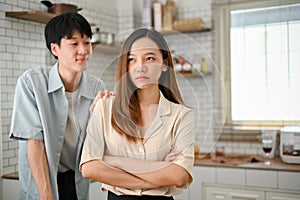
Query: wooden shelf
<point>189,74</point>
<point>33,15</point>
<point>106,48</point>
<point>172,32</point>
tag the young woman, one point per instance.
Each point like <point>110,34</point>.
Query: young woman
<point>140,143</point>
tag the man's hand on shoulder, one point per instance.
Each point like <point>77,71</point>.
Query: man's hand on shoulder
<point>100,95</point>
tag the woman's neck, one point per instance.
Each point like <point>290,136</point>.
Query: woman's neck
<point>148,97</point>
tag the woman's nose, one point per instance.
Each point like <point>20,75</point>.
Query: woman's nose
<point>141,67</point>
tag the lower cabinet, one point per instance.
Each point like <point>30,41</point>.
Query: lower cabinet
<point>96,193</point>
<point>232,192</point>
<point>281,196</point>
<point>212,183</point>
<point>10,189</point>
<point>183,196</point>
<point>229,193</point>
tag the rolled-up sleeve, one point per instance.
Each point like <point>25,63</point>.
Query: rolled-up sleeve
<point>26,122</point>
<point>185,140</point>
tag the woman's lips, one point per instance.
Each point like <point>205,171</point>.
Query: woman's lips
<point>141,78</point>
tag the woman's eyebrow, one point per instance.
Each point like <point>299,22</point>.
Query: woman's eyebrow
<point>148,53</point>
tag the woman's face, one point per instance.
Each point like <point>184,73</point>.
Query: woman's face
<point>145,63</point>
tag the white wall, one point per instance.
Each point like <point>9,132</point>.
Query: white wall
<point>22,46</point>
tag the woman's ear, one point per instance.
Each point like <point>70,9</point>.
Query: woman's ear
<point>54,48</point>
<point>165,65</point>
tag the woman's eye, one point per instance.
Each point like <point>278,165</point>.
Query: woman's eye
<point>130,60</point>
<point>150,58</point>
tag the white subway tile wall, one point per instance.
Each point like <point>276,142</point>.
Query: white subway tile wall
<point>22,46</point>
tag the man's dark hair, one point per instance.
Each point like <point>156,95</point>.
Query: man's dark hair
<point>63,26</point>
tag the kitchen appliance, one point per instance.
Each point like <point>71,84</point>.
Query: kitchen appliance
<point>290,144</point>
<point>60,8</point>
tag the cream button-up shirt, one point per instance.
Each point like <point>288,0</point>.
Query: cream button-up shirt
<point>173,127</point>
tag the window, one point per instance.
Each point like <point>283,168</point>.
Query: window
<point>263,70</point>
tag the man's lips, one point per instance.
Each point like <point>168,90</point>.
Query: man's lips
<point>81,59</point>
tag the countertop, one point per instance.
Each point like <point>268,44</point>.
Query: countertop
<point>277,164</point>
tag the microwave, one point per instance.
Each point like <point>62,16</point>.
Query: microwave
<point>290,144</point>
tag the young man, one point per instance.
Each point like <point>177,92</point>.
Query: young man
<point>51,111</point>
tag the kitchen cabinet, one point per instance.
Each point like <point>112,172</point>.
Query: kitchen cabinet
<point>201,175</point>
<point>231,192</point>
<point>231,183</point>
<point>95,191</point>
<point>281,196</point>
<point>218,192</point>
<point>182,196</point>
<point>10,189</point>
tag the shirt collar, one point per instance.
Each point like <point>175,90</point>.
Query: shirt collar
<point>164,105</point>
<point>85,87</point>
<point>55,82</point>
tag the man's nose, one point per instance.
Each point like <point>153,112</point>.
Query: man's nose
<point>83,49</point>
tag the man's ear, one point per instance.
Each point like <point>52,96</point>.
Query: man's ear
<point>54,48</point>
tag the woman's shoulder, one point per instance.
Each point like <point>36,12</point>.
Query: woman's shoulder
<point>104,103</point>
<point>182,108</point>
<point>177,106</point>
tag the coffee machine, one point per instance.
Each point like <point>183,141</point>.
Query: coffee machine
<point>290,144</point>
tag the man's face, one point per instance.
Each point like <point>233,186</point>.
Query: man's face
<point>74,53</point>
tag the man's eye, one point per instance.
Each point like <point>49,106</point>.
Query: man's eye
<point>74,43</point>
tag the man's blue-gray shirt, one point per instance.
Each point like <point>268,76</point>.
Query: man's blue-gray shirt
<point>40,112</point>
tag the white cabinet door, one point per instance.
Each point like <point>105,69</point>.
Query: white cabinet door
<point>96,193</point>
<point>183,196</point>
<point>289,180</point>
<point>261,178</point>
<point>232,193</point>
<point>10,189</point>
<point>201,175</point>
<point>281,196</point>
<point>232,176</point>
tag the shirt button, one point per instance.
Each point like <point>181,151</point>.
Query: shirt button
<point>62,124</point>
<point>65,104</point>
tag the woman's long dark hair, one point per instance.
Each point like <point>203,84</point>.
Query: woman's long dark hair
<point>126,113</point>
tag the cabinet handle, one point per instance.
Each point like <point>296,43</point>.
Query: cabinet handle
<point>246,196</point>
